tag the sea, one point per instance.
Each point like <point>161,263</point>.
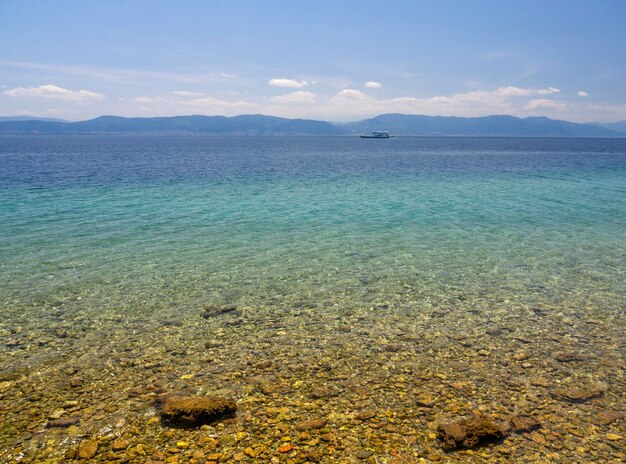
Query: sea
<point>414,280</point>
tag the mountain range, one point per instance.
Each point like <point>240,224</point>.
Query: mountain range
<point>397,124</point>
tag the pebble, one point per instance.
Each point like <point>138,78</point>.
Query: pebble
<point>425,401</point>
<point>64,422</point>
<point>365,415</point>
<point>56,414</point>
<point>119,445</point>
<point>311,424</point>
<point>285,448</point>
<point>87,449</point>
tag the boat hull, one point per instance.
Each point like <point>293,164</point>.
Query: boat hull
<point>363,136</point>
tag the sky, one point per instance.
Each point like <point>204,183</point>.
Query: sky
<point>331,60</point>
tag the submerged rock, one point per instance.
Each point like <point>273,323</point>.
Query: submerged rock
<point>191,410</point>
<point>606,416</point>
<point>64,422</point>
<point>312,424</point>
<point>469,432</point>
<point>523,424</point>
<point>570,356</point>
<point>365,415</point>
<point>215,310</point>
<point>580,394</point>
<point>87,449</point>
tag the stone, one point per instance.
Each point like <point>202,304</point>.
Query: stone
<point>285,448</point>
<point>211,311</point>
<point>606,416</point>
<point>363,454</point>
<point>119,445</point>
<point>76,382</point>
<point>192,411</point>
<point>425,401</point>
<point>471,432</point>
<point>392,347</point>
<point>64,422</point>
<point>569,356</point>
<point>56,414</point>
<point>312,424</point>
<point>266,387</point>
<point>523,424</point>
<point>365,415</point>
<point>87,449</point>
<point>322,392</point>
<point>579,394</point>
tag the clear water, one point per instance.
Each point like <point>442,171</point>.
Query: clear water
<point>140,224</point>
<point>125,239</point>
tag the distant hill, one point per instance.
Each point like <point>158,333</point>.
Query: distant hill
<point>30,118</point>
<point>619,126</point>
<point>258,124</point>
<point>238,125</point>
<point>503,126</point>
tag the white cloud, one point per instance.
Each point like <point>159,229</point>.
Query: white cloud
<point>521,92</point>
<point>296,97</point>
<point>351,93</point>
<point>582,93</point>
<point>543,103</point>
<point>548,91</point>
<point>373,85</point>
<point>287,83</point>
<point>53,91</point>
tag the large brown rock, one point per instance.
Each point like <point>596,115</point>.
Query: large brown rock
<point>192,410</point>
<point>469,432</point>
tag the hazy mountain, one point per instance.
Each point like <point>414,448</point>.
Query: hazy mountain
<point>29,118</point>
<point>32,127</point>
<point>242,125</point>
<point>619,126</point>
<point>397,124</point>
<point>403,124</point>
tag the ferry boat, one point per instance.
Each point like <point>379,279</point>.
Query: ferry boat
<point>376,135</point>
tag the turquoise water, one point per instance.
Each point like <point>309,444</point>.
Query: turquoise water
<point>467,270</point>
<point>144,223</point>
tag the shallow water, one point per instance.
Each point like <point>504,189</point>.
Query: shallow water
<point>382,269</point>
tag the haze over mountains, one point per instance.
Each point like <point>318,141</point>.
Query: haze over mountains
<point>397,124</point>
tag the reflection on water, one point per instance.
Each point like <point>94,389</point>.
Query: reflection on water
<point>384,287</point>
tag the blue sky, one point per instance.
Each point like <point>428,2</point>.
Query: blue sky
<point>332,60</point>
